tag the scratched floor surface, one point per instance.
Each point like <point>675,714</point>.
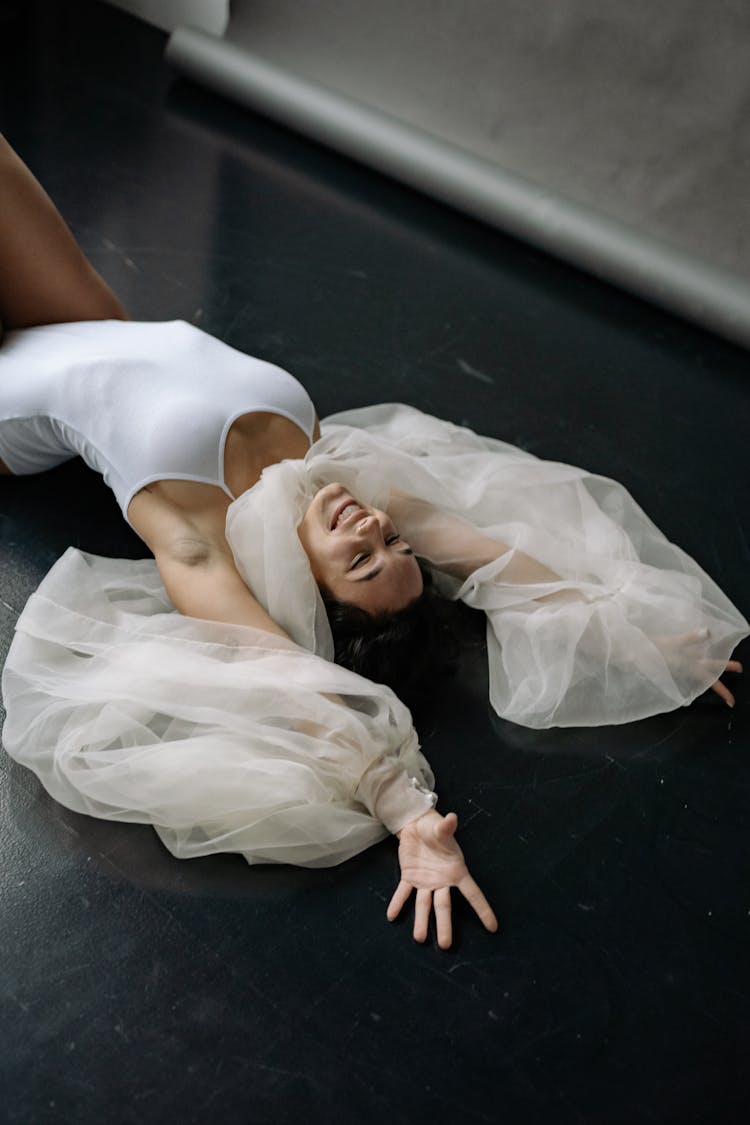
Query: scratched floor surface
<point>140,988</point>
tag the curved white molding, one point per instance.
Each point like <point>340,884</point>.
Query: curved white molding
<point>614,252</point>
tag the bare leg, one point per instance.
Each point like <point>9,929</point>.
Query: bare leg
<point>44,277</point>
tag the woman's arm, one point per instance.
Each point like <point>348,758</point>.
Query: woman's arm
<point>200,576</point>
<point>194,558</point>
<point>202,581</point>
<point>457,547</point>
<point>453,545</point>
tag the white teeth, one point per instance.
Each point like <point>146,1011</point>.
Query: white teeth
<point>347,512</point>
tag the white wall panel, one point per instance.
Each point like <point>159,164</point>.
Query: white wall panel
<point>626,127</point>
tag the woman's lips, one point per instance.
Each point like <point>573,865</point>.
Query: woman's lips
<point>338,510</point>
<point>357,514</point>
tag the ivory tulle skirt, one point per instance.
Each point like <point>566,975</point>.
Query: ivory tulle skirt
<point>229,739</point>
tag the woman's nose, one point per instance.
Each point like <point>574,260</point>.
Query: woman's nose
<point>370,526</point>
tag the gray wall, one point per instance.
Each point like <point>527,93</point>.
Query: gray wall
<point>629,119</point>
<point>638,109</point>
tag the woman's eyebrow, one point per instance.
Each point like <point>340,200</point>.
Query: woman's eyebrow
<point>377,569</point>
<point>373,574</point>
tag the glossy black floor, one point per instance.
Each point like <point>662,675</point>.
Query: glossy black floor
<point>140,988</point>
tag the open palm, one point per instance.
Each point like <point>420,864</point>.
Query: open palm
<point>686,652</point>
<point>431,863</point>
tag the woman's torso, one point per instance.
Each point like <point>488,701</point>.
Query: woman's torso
<point>170,416</point>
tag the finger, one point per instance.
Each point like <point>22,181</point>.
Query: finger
<point>422,915</point>
<point>400,895</point>
<point>447,826</point>
<point>443,917</point>
<point>733,666</point>
<point>693,635</point>
<point>474,896</point>
<point>723,692</point>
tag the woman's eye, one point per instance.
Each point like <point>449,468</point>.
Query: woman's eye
<point>359,560</point>
<point>392,539</point>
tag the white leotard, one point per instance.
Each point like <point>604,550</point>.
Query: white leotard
<point>139,402</point>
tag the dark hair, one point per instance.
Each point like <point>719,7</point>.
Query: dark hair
<point>407,650</point>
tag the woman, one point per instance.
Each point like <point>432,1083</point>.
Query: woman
<point>216,724</point>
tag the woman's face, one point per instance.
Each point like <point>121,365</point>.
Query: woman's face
<point>357,553</point>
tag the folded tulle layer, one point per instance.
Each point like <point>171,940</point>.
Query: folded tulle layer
<point>631,627</point>
<point>231,739</point>
<point>224,738</point>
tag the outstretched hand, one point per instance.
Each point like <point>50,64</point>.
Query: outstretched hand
<point>687,651</point>
<point>431,863</point>
<point>721,689</point>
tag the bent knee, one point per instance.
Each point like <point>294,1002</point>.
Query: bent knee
<point>99,302</point>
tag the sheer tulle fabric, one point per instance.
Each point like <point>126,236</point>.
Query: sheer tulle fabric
<point>632,628</point>
<point>229,739</point>
<point>224,738</point>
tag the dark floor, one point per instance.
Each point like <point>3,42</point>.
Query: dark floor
<point>140,988</point>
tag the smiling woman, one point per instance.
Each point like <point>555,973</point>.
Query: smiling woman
<point>198,691</point>
<point>384,616</point>
<point>349,544</point>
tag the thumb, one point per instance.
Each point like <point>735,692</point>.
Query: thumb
<point>447,826</point>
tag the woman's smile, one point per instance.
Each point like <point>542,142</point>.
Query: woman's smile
<point>347,512</point>
<point>350,545</point>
